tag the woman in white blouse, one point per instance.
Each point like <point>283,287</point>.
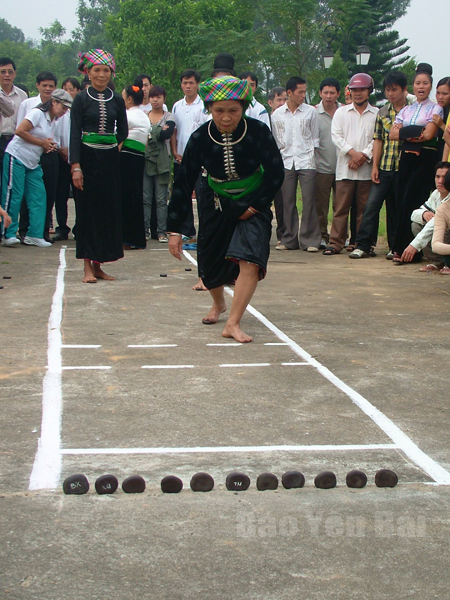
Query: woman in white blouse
<point>22,174</point>
<point>132,163</point>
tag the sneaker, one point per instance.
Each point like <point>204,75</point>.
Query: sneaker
<point>10,241</point>
<point>323,244</point>
<point>163,239</point>
<point>358,254</point>
<point>312,249</point>
<point>34,241</point>
<point>281,247</point>
<point>389,255</point>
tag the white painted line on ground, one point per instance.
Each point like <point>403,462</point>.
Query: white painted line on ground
<point>302,364</point>
<point>230,449</point>
<point>87,368</point>
<point>275,344</point>
<point>152,345</point>
<point>81,346</point>
<point>239,365</point>
<point>167,367</point>
<point>229,344</point>
<point>48,460</point>
<point>404,443</point>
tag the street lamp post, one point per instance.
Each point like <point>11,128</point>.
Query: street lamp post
<point>362,54</point>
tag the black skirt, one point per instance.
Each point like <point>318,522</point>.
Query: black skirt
<point>99,207</point>
<point>132,165</point>
<point>223,239</point>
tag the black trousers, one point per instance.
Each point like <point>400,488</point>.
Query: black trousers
<point>188,228</point>
<point>50,167</point>
<point>415,183</point>
<point>62,196</point>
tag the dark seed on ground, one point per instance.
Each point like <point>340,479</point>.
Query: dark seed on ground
<point>202,482</point>
<point>237,482</point>
<point>293,479</point>
<point>76,484</point>
<point>386,478</point>
<point>356,479</point>
<point>325,480</point>
<point>267,481</point>
<point>135,484</point>
<point>106,484</point>
<point>163,275</point>
<point>171,484</point>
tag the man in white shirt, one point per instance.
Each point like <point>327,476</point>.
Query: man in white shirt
<point>256,110</point>
<point>326,155</point>
<point>352,133</point>
<point>276,98</point>
<point>189,113</point>
<point>296,131</point>
<point>422,224</point>
<point>46,84</point>
<point>9,94</point>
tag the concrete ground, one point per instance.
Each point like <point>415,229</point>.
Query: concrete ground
<point>347,370</point>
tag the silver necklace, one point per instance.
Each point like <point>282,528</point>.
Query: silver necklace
<point>228,143</point>
<point>100,99</point>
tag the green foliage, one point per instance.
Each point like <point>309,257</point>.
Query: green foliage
<point>8,33</point>
<point>92,17</point>
<point>164,37</point>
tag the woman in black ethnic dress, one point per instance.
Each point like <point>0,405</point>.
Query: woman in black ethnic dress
<point>242,170</point>
<point>98,125</point>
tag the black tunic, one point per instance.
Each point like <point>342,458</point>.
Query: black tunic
<point>221,234</point>
<point>98,205</point>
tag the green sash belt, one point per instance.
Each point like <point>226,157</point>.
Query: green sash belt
<point>98,138</point>
<point>134,145</point>
<point>237,188</point>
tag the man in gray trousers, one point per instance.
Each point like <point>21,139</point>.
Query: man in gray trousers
<point>296,131</point>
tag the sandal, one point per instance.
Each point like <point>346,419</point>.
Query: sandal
<point>329,251</point>
<point>396,259</point>
<point>445,271</point>
<point>350,247</point>
<point>429,269</point>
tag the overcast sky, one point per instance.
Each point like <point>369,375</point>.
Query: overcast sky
<point>425,25</point>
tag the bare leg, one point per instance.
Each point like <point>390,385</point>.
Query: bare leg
<point>99,274</point>
<point>89,276</point>
<point>244,289</point>
<point>217,308</point>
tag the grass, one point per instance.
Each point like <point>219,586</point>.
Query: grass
<point>381,228</point>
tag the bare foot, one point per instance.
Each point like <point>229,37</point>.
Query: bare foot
<point>200,286</point>
<point>213,316</point>
<point>99,274</point>
<point>235,331</point>
<point>89,279</point>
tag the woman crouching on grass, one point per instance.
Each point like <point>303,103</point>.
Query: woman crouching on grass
<point>245,170</point>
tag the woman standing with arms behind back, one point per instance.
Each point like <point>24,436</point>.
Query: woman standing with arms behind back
<point>98,126</point>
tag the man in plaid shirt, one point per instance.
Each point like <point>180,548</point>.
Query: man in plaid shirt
<point>384,170</point>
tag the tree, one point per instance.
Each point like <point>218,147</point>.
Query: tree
<point>92,18</point>
<point>8,33</point>
<point>164,37</point>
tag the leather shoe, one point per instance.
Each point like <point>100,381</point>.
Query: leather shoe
<point>59,237</point>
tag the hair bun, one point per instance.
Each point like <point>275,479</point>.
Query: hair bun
<point>424,68</point>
